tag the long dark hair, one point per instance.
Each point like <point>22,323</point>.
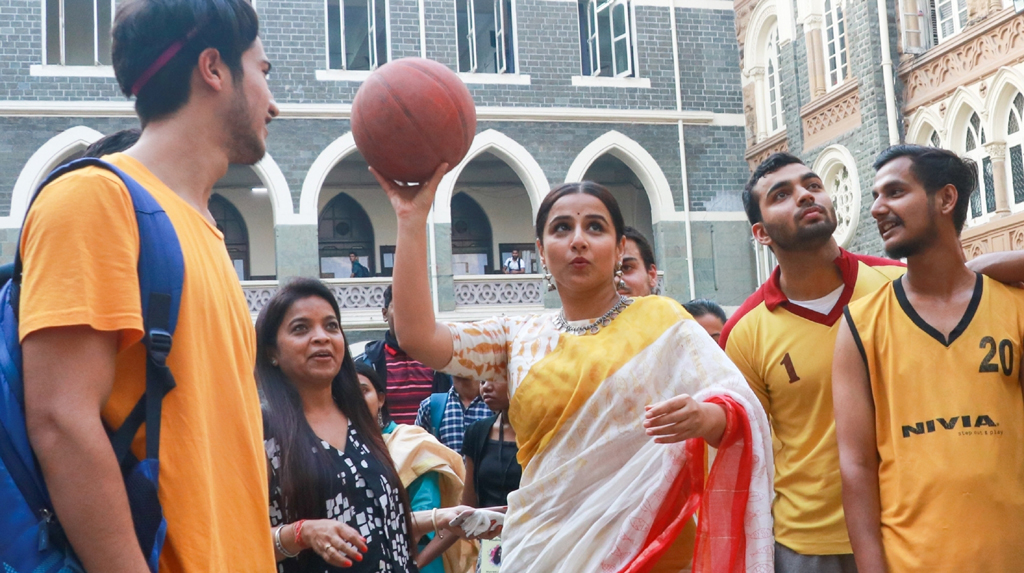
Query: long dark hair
<point>364,369</point>
<point>587,188</point>
<point>304,476</point>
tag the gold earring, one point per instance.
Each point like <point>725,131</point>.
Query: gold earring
<point>547,277</point>
<point>618,275</point>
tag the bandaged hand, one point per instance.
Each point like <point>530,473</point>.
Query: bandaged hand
<point>477,524</point>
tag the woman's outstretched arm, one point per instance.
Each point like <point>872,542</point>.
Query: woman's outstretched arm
<point>417,330</point>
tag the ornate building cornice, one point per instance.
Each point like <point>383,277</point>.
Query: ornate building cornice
<point>832,115</point>
<point>978,52</point>
<point>757,153</point>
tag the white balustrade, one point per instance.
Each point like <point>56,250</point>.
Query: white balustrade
<point>351,294</point>
<point>480,290</point>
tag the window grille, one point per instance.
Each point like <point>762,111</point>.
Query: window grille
<point>485,38</point>
<point>606,38</point>
<point>357,36</point>
<point>1015,148</point>
<point>774,87</point>
<point>78,32</point>
<point>983,200</point>
<point>835,43</point>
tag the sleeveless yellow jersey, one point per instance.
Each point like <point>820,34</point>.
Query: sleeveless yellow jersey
<point>785,352</point>
<point>949,418</point>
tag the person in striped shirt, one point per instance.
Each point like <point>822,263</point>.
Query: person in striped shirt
<point>409,382</point>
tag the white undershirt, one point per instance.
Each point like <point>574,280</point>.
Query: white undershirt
<point>823,305</point>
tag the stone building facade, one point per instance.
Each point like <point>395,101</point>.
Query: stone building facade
<point>649,101</point>
<point>837,81</point>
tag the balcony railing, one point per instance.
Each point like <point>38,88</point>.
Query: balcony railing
<point>477,290</point>
<point>351,294</point>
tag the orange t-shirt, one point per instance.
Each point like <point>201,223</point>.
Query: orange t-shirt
<point>81,246</point>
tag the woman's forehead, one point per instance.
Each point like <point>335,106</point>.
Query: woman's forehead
<point>578,205</point>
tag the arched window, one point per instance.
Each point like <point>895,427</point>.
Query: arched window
<point>236,234</point>
<point>983,200</point>
<point>1015,148</point>
<point>840,189</point>
<point>472,243</point>
<point>838,171</point>
<point>934,140</point>
<point>773,83</point>
<point>835,44</point>
<point>344,228</point>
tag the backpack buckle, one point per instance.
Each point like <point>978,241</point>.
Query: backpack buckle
<point>158,343</point>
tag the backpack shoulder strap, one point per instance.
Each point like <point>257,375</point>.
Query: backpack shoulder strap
<point>161,269</point>
<point>438,404</point>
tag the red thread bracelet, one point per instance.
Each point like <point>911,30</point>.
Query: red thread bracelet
<point>298,534</point>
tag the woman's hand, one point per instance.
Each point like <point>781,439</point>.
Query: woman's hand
<point>447,514</point>
<point>336,542</point>
<point>412,200</point>
<point>681,418</point>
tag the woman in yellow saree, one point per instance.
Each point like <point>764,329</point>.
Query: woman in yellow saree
<point>612,400</point>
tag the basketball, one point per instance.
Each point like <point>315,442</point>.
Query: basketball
<point>411,115</point>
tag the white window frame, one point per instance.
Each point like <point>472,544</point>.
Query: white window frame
<point>62,33</point>
<point>1015,139</point>
<point>835,12</point>
<point>918,12</point>
<point>371,36</point>
<point>504,31</point>
<point>978,155</point>
<point>593,14</point>
<point>957,17</point>
<point>775,119</point>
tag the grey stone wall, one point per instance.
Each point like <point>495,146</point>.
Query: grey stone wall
<point>708,60</point>
<point>20,137</point>
<point>715,168</point>
<point>864,142</point>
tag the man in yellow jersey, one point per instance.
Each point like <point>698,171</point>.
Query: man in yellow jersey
<point>781,339</point>
<point>198,72</point>
<point>929,411</point>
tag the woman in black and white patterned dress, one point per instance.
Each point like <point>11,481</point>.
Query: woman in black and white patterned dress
<point>333,487</point>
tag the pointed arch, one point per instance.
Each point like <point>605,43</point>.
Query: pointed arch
<point>961,106</point>
<point>922,123</point>
<point>637,159</point>
<point>39,165</point>
<point>760,24</point>
<point>333,154</point>
<point>277,187</point>
<point>509,151</point>
<point>1006,84</point>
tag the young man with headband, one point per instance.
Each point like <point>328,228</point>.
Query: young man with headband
<point>198,72</point>
<point>927,386</point>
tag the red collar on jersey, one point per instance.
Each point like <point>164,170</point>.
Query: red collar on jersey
<point>774,297</point>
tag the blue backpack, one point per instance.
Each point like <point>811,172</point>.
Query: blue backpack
<point>31,538</point>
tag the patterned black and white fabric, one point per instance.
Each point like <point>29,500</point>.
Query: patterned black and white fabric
<point>362,498</point>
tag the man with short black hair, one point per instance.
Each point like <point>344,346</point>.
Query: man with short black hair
<point>358,270</point>
<point>639,273</point>
<point>927,387</point>
<point>780,338</point>
<point>198,72</point>
<point>514,265</point>
<point>408,380</point>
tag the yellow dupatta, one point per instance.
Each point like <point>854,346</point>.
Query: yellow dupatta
<point>416,452</point>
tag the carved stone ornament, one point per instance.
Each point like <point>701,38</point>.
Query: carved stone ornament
<point>983,89</point>
<point>981,52</point>
<point>832,116</point>
<point>996,150</point>
<point>774,144</point>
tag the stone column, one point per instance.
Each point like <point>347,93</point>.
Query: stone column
<point>442,265</point>
<point>815,55</point>
<point>298,251</point>
<point>670,254</point>
<point>997,153</point>
<point>756,74</point>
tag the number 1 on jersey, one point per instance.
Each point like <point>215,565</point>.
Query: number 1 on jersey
<point>788,363</point>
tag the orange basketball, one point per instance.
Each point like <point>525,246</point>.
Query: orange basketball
<point>410,116</point>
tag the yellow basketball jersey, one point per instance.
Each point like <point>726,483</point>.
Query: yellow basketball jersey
<point>949,419</point>
<point>785,352</point>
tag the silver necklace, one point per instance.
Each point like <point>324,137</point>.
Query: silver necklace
<point>604,320</point>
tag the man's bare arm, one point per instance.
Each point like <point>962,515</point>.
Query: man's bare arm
<point>69,373</point>
<point>1005,266</point>
<point>858,452</point>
